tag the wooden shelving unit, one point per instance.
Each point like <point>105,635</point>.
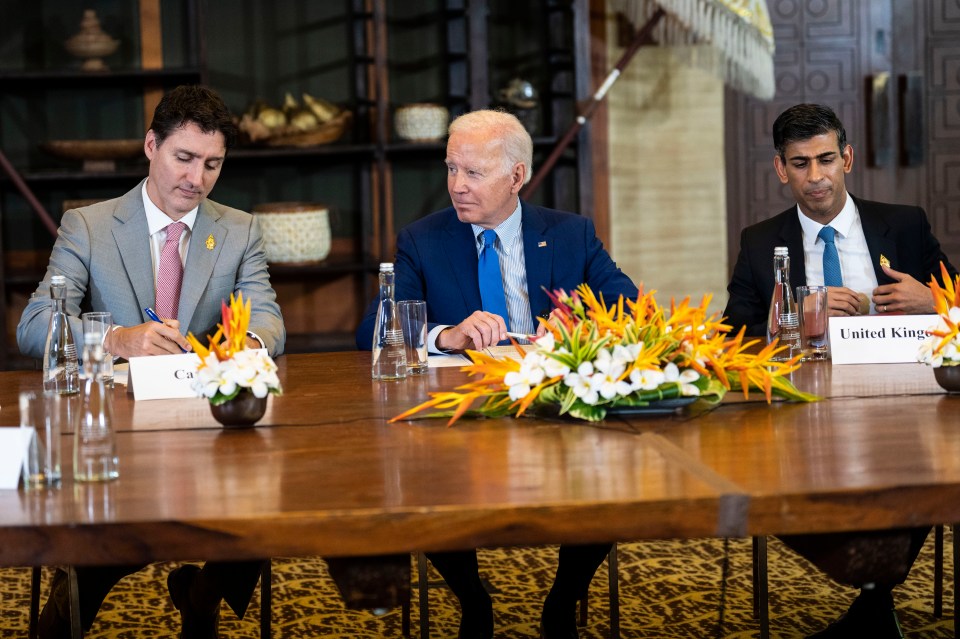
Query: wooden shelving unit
<point>373,182</point>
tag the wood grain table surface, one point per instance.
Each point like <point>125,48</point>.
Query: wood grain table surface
<point>323,473</point>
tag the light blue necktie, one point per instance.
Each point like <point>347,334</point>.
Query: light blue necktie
<point>491,282</point>
<point>831,259</point>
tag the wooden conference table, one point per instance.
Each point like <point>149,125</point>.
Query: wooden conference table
<point>324,474</point>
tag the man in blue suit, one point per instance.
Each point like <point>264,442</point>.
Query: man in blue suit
<point>440,259</point>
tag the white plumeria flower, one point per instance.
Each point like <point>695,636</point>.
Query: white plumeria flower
<point>607,363</point>
<point>555,368</point>
<point>250,369</point>
<point>633,351</point>
<point>580,383</point>
<point>546,342</point>
<point>647,379</point>
<point>685,379</point>
<point>522,382</point>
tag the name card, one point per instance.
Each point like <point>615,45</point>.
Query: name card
<point>878,339</point>
<point>13,450</point>
<point>163,376</point>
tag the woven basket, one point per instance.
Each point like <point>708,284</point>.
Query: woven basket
<point>324,134</point>
<point>294,232</point>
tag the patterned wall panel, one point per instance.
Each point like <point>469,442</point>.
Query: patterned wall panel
<point>943,99</point>
<point>826,52</point>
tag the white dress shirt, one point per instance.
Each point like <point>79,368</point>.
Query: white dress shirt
<point>856,265</point>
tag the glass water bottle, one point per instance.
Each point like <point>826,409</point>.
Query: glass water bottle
<point>94,444</point>
<point>61,372</point>
<point>783,321</point>
<point>389,355</point>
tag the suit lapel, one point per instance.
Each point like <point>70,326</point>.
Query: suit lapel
<point>460,247</point>
<point>875,231</point>
<point>201,259</point>
<point>130,230</point>
<point>537,258</point>
<point>791,236</point>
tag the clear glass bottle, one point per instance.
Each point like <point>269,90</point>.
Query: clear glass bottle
<point>94,444</point>
<point>389,354</point>
<point>61,373</point>
<point>782,320</point>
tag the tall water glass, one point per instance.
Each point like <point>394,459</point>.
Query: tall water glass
<point>812,308</point>
<point>413,323</point>
<point>100,323</point>
<point>40,414</point>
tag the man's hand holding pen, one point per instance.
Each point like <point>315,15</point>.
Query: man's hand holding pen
<point>156,337</point>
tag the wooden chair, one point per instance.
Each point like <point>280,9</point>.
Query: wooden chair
<point>760,592</point>
<point>423,587</point>
<point>76,632</point>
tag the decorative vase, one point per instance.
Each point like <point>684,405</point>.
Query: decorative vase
<point>243,411</point>
<point>948,377</point>
<point>91,43</point>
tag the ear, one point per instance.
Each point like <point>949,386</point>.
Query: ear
<point>517,177</point>
<point>781,168</point>
<point>847,159</point>
<point>150,144</point>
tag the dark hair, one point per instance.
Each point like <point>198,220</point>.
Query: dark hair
<point>804,121</point>
<point>197,104</point>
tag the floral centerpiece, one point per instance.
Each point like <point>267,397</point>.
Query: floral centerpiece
<point>227,368</point>
<point>594,358</point>
<point>942,345</point>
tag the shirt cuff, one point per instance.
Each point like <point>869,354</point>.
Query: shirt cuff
<point>256,337</point>
<point>432,339</point>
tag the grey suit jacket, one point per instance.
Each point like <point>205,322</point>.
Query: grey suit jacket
<point>104,252</point>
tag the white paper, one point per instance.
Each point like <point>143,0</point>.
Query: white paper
<point>163,376</point>
<point>500,352</point>
<point>13,450</point>
<point>878,339</point>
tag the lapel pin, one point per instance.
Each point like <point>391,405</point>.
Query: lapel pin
<point>884,261</point>
<point>541,244</point>
<point>211,242</point>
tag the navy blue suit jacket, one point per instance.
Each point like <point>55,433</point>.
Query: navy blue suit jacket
<point>437,262</point>
<point>900,233</point>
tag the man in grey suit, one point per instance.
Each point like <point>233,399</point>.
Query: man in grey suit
<point>110,254</point>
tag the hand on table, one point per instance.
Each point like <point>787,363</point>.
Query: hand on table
<point>905,295</point>
<point>150,338</point>
<point>479,330</point>
<point>842,301</point>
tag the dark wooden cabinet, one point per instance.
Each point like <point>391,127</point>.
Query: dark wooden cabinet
<point>369,56</point>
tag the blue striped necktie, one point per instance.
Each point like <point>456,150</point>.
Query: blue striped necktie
<point>831,259</point>
<point>491,282</point>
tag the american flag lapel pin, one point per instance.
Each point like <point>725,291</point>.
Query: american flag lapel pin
<point>541,244</point>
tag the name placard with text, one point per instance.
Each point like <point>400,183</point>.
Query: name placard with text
<point>163,376</point>
<point>878,339</point>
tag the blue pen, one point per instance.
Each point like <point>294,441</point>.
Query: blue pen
<point>152,314</point>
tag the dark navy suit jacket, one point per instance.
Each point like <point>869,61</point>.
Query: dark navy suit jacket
<point>437,262</point>
<point>900,233</point>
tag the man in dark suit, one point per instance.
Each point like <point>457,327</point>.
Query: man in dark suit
<point>111,254</point>
<point>440,259</point>
<point>882,256</point>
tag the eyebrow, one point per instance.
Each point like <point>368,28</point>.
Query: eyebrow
<point>806,157</point>
<point>218,158</point>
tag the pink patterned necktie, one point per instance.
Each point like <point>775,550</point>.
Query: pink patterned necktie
<point>170,273</point>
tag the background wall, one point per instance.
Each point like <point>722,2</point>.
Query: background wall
<point>667,179</point>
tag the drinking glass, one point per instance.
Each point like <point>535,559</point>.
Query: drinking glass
<point>100,323</point>
<point>413,322</point>
<point>41,414</point>
<point>812,307</point>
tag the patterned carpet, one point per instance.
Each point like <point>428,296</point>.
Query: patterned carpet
<point>668,589</point>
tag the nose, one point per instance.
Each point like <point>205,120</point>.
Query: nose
<point>816,173</point>
<point>457,183</point>
<point>195,173</point>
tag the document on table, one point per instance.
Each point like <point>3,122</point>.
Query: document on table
<point>456,359</point>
